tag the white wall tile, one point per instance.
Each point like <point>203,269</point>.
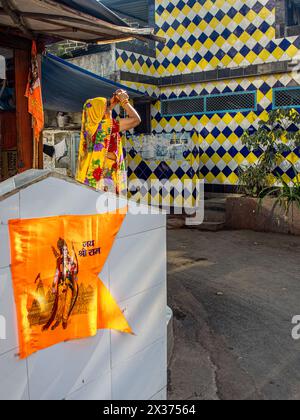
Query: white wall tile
<point>135,274</point>
<point>135,224</point>
<point>137,263</point>
<point>5,247</point>
<point>142,376</point>
<point>145,313</point>
<point>57,372</point>
<point>9,208</point>
<point>8,311</point>
<point>97,390</point>
<point>140,218</point>
<point>104,275</point>
<point>160,396</point>
<point>53,196</point>
<point>13,378</point>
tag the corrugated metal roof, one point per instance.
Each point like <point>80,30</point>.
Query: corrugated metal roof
<point>133,9</point>
<point>82,20</point>
<point>94,8</point>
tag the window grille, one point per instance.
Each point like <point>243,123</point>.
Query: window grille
<point>186,106</point>
<point>210,104</point>
<point>231,102</point>
<point>287,98</point>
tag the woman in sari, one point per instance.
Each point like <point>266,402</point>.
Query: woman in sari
<point>101,162</point>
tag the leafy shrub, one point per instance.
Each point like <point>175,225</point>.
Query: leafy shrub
<point>276,135</point>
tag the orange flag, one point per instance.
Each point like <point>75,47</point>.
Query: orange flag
<point>55,266</point>
<point>34,95</point>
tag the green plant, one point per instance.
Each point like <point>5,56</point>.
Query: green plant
<point>276,135</point>
<point>253,180</point>
<point>286,195</point>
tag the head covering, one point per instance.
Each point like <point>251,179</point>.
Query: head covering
<point>94,111</point>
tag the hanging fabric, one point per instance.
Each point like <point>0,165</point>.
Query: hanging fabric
<point>35,101</point>
<point>55,266</point>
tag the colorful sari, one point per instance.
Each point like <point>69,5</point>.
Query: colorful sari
<point>101,163</point>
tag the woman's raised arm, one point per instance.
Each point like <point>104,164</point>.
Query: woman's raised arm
<point>133,119</point>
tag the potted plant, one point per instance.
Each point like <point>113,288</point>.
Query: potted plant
<point>286,196</point>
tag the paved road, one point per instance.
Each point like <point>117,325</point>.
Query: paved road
<point>234,295</point>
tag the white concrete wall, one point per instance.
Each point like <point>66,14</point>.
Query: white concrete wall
<point>110,365</point>
<point>102,64</point>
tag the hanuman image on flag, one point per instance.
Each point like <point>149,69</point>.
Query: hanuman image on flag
<point>67,300</point>
<point>65,297</point>
<point>65,286</point>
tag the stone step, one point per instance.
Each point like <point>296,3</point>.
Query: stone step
<point>207,225</point>
<point>215,205</point>
<point>176,222</point>
<point>211,226</point>
<point>214,216</point>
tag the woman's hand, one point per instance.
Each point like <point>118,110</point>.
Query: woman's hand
<point>114,101</point>
<point>122,97</point>
<point>133,119</point>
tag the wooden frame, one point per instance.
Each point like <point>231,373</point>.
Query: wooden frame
<point>22,59</point>
<point>24,124</point>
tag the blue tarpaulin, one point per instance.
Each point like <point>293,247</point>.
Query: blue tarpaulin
<point>66,86</point>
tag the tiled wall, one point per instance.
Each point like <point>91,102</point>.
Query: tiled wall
<point>221,149</point>
<point>208,35</point>
<point>203,35</point>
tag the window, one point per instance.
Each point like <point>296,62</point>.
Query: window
<point>231,102</point>
<point>144,110</point>
<point>184,106</point>
<point>210,104</point>
<point>287,18</point>
<point>286,98</point>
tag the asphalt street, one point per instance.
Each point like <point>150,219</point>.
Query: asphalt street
<point>234,294</point>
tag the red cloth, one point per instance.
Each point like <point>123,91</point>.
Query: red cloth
<point>115,137</point>
<point>34,95</point>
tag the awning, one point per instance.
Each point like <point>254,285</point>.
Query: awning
<point>135,10</point>
<point>95,8</point>
<point>66,86</point>
<point>81,20</point>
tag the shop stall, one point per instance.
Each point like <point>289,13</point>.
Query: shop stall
<point>66,87</point>
<point>46,21</point>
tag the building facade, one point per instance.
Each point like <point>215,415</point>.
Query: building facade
<point>225,64</point>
